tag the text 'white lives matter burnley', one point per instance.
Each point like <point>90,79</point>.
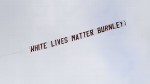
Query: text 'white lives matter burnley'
<point>78,36</point>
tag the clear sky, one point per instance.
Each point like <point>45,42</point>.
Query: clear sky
<point>119,56</point>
